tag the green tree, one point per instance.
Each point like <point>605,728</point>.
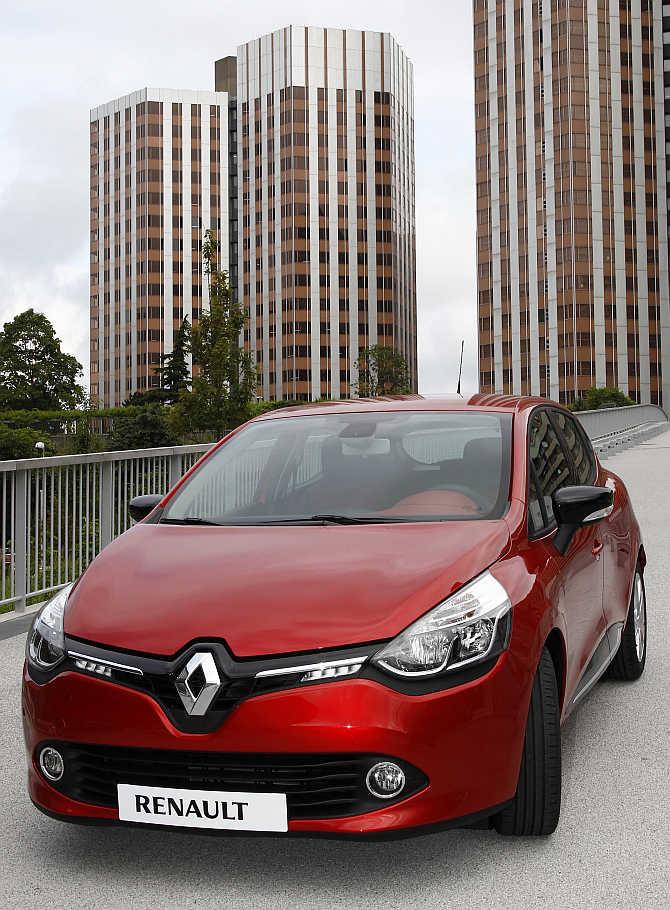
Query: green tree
<point>141,428</point>
<point>34,371</point>
<point>382,371</point>
<point>174,370</point>
<point>595,399</point>
<point>224,377</point>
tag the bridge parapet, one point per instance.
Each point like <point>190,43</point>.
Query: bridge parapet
<point>611,429</point>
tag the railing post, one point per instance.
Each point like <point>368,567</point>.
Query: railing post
<point>175,469</point>
<point>106,503</point>
<point>20,539</point>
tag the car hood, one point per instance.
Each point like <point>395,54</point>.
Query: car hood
<point>274,590</point>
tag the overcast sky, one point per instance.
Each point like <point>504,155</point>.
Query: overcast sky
<point>57,60</point>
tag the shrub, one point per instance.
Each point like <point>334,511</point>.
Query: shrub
<point>596,399</point>
<point>18,443</point>
<point>141,428</point>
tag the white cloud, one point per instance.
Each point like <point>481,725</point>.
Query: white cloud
<point>56,62</point>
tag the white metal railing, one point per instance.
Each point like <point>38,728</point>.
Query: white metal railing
<point>615,420</point>
<point>57,513</point>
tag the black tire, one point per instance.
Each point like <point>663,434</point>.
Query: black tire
<point>630,660</point>
<point>536,805</point>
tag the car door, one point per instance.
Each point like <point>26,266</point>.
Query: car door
<point>578,588</point>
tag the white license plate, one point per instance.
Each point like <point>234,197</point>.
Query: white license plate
<point>220,809</point>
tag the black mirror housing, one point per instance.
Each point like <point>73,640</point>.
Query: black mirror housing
<point>575,507</point>
<point>140,507</point>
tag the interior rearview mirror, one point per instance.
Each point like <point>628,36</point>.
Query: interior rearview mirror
<point>575,507</point>
<point>142,506</point>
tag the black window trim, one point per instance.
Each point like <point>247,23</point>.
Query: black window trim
<point>590,451</point>
<point>545,528</point>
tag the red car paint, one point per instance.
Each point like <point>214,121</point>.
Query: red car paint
<point>158,588</point>
<point>355,584</point>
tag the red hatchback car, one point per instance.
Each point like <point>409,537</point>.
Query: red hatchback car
<point>359,618</point>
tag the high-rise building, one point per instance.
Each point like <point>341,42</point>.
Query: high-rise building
<point>160,176</point>
<point>302,162</point>
<point>326,205</point>
<point>572,229</point>
<point>666,95</point>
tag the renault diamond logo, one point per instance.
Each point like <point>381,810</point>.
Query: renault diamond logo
<point>198,684</point>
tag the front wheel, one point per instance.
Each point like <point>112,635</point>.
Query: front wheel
<point>631,656</point>
<point>536,805</point>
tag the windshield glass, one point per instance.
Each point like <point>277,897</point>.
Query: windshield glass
<point>372,466</point>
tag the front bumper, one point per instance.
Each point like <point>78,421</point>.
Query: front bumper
<point>467,740</point>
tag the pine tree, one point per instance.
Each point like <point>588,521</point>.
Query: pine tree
<point>174,370</point>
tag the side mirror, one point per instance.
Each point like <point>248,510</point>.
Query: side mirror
<point>140,507</point>
<point>575,507</point>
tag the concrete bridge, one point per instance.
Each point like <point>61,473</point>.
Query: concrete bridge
<point>611,850</point>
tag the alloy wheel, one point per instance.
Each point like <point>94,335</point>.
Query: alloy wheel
<point>639,617</point>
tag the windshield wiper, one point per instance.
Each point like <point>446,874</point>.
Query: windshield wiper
<point>304,520</point>
<point>189,520</point>
<point>331,519</point>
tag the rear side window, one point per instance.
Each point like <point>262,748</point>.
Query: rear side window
<point>579,449</point>
<point>548,462</point>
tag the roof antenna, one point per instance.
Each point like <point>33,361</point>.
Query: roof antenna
<point>460,369</point>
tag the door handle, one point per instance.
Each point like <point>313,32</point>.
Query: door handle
<point>598,547</point>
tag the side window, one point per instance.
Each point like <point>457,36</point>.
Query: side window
<point>548,458</point>
<point>578,450</point>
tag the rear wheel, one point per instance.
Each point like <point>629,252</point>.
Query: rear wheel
<point>632,653</point>
<point>536,805</point>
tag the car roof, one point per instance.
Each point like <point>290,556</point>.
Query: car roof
<point>499,403</point>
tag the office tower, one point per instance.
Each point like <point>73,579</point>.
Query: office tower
<point>160,176</point>
<point>571,198</point>
<point>326,205</point>
<point>666,96</point>
<point>312,132</point>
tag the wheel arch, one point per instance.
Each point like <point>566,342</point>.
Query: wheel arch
<point>555,644</point>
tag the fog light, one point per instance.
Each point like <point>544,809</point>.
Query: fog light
<point>385,780</point>
<point>51,763</point>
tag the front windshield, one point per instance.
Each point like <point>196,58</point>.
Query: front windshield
<point>368,467</point>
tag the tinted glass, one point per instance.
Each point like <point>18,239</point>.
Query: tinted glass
<point>393,466</point>
<point>546,454</point>
<point>580,455</point>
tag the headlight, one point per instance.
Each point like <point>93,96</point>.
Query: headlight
<point>462,630</point>
<point>46,642</point>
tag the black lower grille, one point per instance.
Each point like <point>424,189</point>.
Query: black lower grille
<point>316,786</point>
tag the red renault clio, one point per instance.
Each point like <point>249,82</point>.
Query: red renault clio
<point>359,618</point>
